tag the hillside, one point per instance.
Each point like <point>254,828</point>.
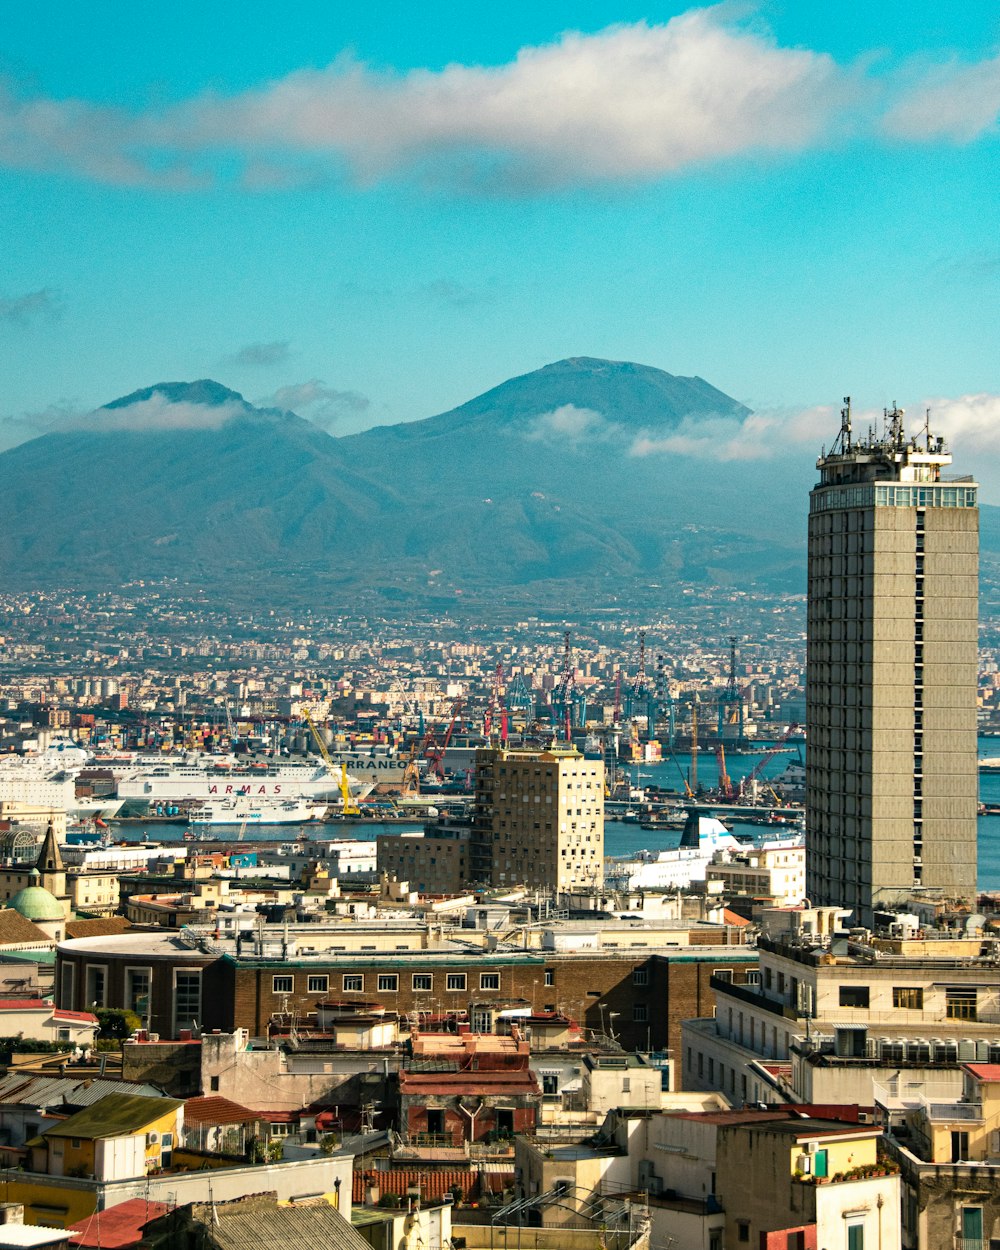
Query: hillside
<point>536,480</point>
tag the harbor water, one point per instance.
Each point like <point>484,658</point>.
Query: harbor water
<point>621,838</point>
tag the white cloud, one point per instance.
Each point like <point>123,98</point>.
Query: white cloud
<point>765,435</point>
<point>319,403</point>
<point>951,101</point>
<point>571,425</point>
<point>630,102</point>
<point>158,413</point>
<point>970,423</point>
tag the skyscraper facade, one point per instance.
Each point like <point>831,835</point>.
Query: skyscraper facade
<point>891,675</point>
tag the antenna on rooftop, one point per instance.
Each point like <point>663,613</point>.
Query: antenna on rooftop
<point>844,437</point>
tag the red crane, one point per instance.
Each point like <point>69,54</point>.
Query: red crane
<point>758,768</point>
<point>435,753</point>
<point>496,704</point>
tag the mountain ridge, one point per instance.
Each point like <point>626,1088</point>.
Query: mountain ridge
<point>533,483</point>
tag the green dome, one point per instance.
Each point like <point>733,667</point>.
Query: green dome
<point>36,903</point>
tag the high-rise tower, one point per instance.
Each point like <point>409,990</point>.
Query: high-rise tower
<point>891,774</point>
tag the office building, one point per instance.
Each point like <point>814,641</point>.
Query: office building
<point>891,777</point>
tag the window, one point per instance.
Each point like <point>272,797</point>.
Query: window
<point>640,1013</point>
<point>68,985</point>
<point>317,985</point>
<point>62,1035</point>
<point>282,985</point>
<point>550,976</point>
<point>137,982</point>
<point>959,1146</point>
<point>455,981</point>
<point>640,976</point>
<point>187,1000</point>
<point>214,1084</point>
<point>742,1230</point>
<point>423,981</point>
<point>489,980</point>
<point>550,1084</point>
<point>908,997</point>
<point>855,1237</point>
<point>960,1002</point>
<point>854,996</point>
<point>353,983</point>
<point>388,982</point>
<point>97,986</point>
<point>722,974</point>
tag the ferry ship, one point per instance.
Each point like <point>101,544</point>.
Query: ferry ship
<point>179,779</point>
<point>242,810</point>
<point>676,869</point>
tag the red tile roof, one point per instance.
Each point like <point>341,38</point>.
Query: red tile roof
<point>416,1083</point>
<point>24,1004</point>
<point>84,1017</point>
<point>216,1110</point>
<point>433,1183</point>
<point>984,1071</point>
<point>119,1227</point>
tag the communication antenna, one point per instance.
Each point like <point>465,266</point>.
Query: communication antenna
<point>844,437</point>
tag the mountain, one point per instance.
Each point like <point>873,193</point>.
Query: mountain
<point>564,474</point>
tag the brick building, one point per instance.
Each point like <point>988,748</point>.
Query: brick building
<point>641,994</point>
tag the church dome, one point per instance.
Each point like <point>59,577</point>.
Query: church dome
<point>34,902</point>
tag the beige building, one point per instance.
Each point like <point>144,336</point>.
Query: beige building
<point>891,778</point>
<point>542,815</point>
<point>435,860</point>
<point>827,1019</point>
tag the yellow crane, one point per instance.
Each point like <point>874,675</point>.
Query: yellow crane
<point>349,807</point>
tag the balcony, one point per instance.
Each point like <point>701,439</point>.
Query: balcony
<point>948,1112</point>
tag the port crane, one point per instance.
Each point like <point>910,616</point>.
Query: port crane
<point>432,751</point>
<point>562,696</point>
<point>348,805</point>
<point>495,705</point>
<point>726,788</point>
<point>769,755</point>
<point>731,700</point>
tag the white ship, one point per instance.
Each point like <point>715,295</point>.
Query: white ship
<point>195,777</point>
<point>380,764</point>
<point>242,810</point>
<point>47,779</point>
<point>674,870</point>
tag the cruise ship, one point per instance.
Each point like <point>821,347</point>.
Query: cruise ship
<point>47,780</point>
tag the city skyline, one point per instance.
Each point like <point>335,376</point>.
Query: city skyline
<point>369,217</point>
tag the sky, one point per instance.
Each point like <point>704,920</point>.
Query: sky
<point>370,213</point>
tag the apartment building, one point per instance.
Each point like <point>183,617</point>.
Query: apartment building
<point>541,814</point>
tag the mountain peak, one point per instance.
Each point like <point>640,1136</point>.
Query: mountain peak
<point>205,392</point>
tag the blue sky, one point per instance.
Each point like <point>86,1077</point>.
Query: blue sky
<point>376,211</point>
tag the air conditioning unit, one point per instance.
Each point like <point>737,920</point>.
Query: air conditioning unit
<point>808,1147</point>
<point>153,1138</point>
